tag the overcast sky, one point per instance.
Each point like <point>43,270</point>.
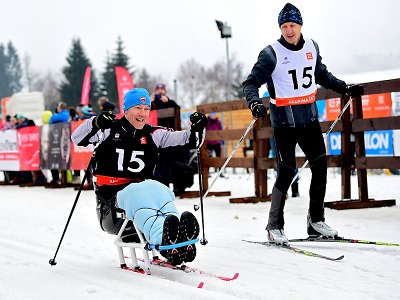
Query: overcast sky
<point>353,35</point>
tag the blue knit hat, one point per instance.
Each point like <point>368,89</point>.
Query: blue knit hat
<point>87,110</point>
<point>290,13</point>
<point>135,97</point>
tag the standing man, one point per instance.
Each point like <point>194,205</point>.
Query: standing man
<point>292,67</point>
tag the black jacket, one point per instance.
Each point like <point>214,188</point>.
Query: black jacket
<point>288,116</point>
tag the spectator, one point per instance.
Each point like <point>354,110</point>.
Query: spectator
<point>23,121</point>
<point>87,111</point>
<point>106,105</point>
<point>61,115</point>
<point>160,100</point>
<point>214,146</point>
<point>25,177</point>
<point>72,113</point>
<point>11,122</point>
<point>172,164</point>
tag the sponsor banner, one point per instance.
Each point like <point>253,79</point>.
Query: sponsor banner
<point>55,146</point>
<point>153,118</point>
<point>80,156</point>
<point>9,154</point>
<point>374,106</point>
<point>377,143</point>
<point>29,146</point>
<point>86,87</point>
<point>124,85</point>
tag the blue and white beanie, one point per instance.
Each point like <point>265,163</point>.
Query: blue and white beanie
<point>135,97</point>
<point>290,13</point>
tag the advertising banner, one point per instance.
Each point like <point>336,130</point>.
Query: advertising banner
<point>9,154</point>
<point>55,146</point>
<point>80,156</point>
<point>377,143</point>
<point>29,146</point>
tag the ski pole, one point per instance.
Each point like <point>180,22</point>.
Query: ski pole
<point>203,241</point>
<point>52,261</point>
<point>325,135</point>
<point>196,207</point>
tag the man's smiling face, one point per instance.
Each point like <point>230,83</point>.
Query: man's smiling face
<point>138,115</point>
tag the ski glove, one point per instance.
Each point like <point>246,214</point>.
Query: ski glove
<point>258,109</point>
<point>199,121</point>
<point>104,120</point>
<point>355,90</point>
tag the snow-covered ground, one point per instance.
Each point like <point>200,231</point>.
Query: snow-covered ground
<point>32,221</point>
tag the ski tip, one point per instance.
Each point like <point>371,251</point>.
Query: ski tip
<point>340,257</point>
<point>229,279</point>
<point>201,284</point>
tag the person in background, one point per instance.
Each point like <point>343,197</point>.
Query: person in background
<point>123,172</point>
<point>23,121</point>
<point>172,164</point>
<point>72,113</point>
<point>61,115</point>
<point>105,104</point>
<point>214,146</point>
<point>25,177</point>
<point>87,111</point>
<point>11,122</point>
<point>79,114</point>
<point>292,67</point>
<point>160,100</point>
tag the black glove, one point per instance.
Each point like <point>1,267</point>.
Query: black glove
<point>199,121</point>
<point>104,120</point>
<point>258,109</point>
<point>355,90</point>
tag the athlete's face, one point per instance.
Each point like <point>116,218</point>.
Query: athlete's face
<point>138,115</point>
<point>291,32</point>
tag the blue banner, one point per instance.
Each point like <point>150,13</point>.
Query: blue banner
<point>377,143</point>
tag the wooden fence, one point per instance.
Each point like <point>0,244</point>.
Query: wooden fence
<point>262,132</point>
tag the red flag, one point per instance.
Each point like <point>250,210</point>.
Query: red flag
<point>86,87</point>
<point>3,107</point>
<point>124,85</point>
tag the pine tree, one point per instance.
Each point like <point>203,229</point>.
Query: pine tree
<point>4,84</point>
<point>14,70</point>
<point>10,71</point>
<point>145,81</point>
<point>109,80</point>
<point>74,72</point>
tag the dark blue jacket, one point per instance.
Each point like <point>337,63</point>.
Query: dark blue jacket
<point>295,115</point>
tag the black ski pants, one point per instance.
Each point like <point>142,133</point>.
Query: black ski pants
<point>310,140</point>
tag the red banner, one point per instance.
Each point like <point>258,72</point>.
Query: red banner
<point>124,85</point>
<point>373,106</point>
<point>80,156</point>
<point>153,118</point>
<point>86,87</point>
<point>28,146</point>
